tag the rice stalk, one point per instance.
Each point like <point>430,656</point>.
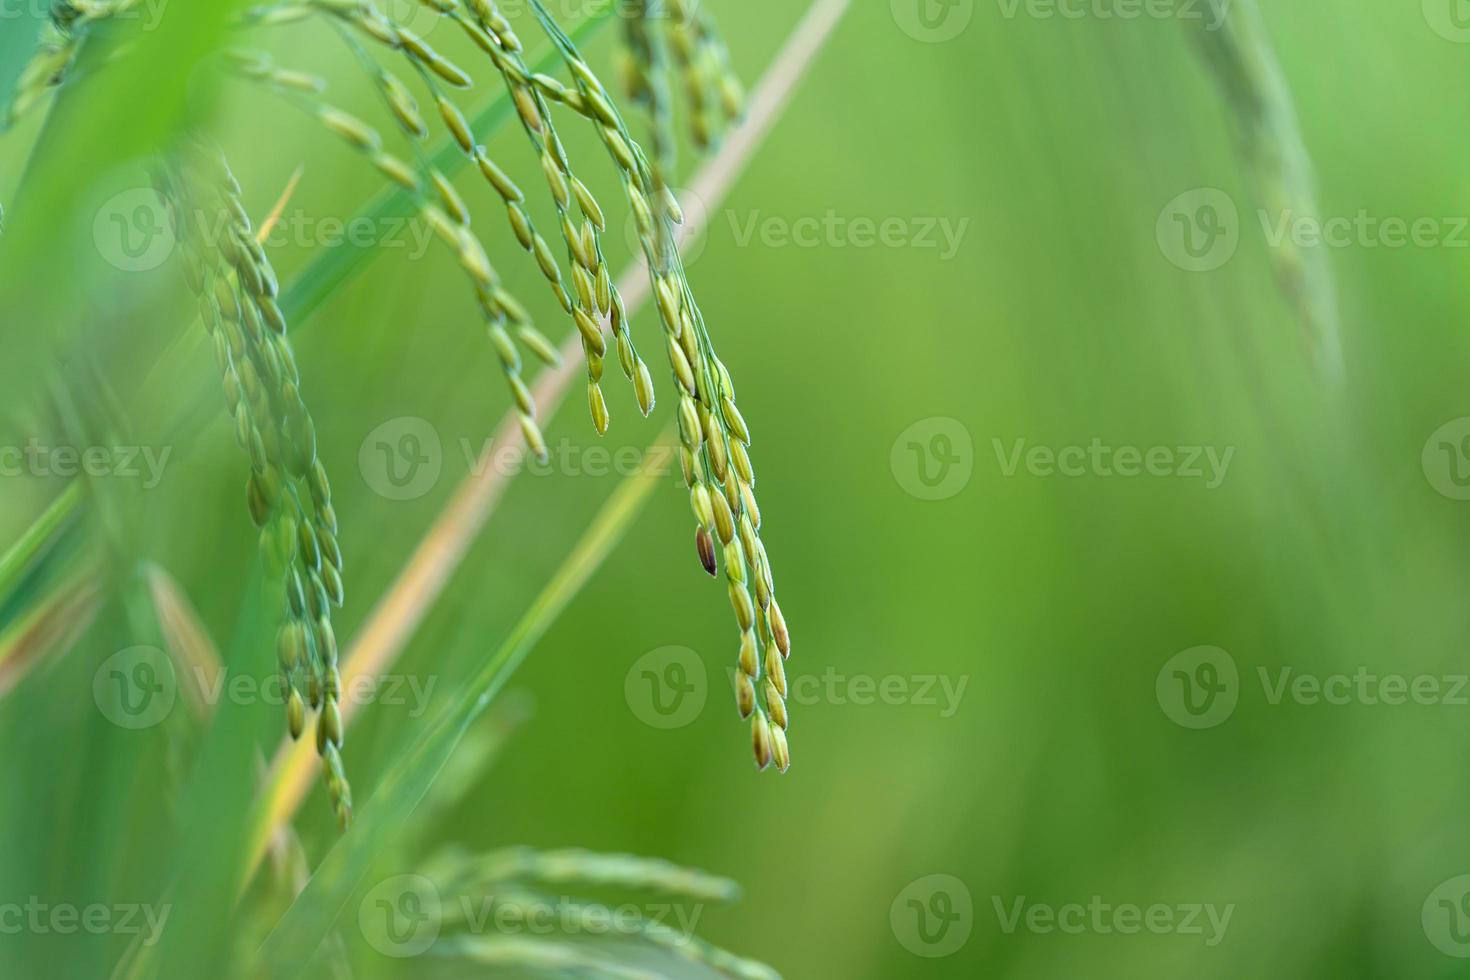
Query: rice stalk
<point>1277,166</point>
<point>398,613</point>
<point>56,51</point>
<point>710,84</point>
<point>713,434</point>
<point>61,37</point>
<point>447,216</point>
<point>410,777</point>
<point>288,494</point>
<point>595,298</point>
<point>328,271</point>
<point>645,79</point>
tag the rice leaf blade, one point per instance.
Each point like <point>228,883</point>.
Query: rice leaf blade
<point>289,948</point>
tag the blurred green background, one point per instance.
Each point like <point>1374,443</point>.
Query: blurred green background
<point>1060,772</point>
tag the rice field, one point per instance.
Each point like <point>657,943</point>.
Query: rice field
<point>1101,415</point>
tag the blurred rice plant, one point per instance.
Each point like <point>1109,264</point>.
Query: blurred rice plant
<point>203,875</point>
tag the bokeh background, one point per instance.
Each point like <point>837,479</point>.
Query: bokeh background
<point>992,662</point>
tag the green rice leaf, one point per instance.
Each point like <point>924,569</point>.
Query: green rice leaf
<point>289,949</point>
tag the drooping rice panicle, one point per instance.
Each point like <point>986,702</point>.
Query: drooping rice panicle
<point>57,49</point>
<point>653,28</point>
<point>713,434</point>
<point>645,78</point>
<point>447,217</point>
<point>1276,163</point>
<point>713,90</point>
<point>288,494</point>
<point>377,25</point>
<point>595,298</point>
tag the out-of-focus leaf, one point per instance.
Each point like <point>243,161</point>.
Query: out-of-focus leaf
<point>290,947</point>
